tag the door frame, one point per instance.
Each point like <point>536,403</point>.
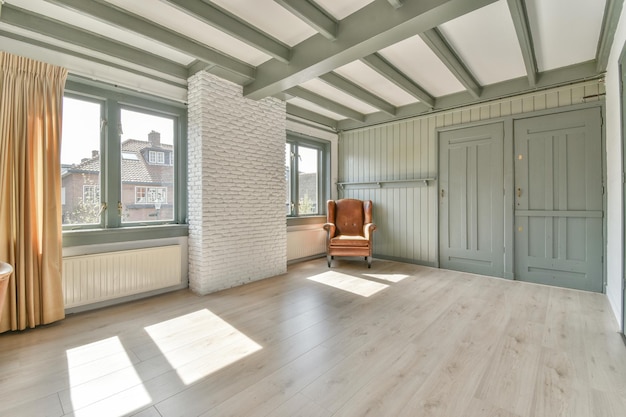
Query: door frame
<point>622,73</point>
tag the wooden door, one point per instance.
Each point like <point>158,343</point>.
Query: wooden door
<point>472,200</point>
<point>559,200</point>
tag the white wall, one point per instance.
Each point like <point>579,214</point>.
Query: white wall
<point>236,185</point>
<point>615,251</point>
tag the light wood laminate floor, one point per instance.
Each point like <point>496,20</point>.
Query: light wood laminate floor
<point>394,340</point>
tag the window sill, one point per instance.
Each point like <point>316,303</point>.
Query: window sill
<point>122,234</point>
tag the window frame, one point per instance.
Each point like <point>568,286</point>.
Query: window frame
<point>113,99</point>
<point>323,169</point>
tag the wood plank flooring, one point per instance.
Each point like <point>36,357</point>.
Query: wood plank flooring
<point>393,340</point>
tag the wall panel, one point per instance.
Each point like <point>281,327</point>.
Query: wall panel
<point>406,212</point>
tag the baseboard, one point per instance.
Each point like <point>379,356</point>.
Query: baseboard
<point>405,260</point>
<point>306,258</point>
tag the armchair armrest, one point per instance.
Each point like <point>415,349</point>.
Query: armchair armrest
<point>368,230</point>
<point>330,228</point>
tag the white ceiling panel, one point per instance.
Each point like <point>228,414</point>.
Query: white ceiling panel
<point>271,18</point>
<point>565,32</point>
<point>370,80</point>
<point>416,60</point>
<point>342,9</point>
<point>307,105</point>
<point>320,87</point>
<point>178,21</point>
<point>486,41</point>
<point>103,29</point>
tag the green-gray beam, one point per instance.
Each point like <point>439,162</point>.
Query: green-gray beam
<point>313,16</point>
<point>133,23</point>
<point>364,32</point>
<point>326,103</point>
<point>357,92</point>
<point>33,22</point>
<point>438,44</point>
<point>224,21</point>
<point>310,115</point>
<point>546,80</point>
<point>221,72</point>
<point>384,68</point>
<point>612,12</point>
<point>396,3</point>
<point>10,35</point>
<point>522,28</point>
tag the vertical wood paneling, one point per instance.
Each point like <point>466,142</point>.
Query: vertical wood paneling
<point>540,102</point>
<point>528,104</point>
<point>407,215</point>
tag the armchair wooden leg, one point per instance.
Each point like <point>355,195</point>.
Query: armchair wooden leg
<point>328,258</point>
<point>369,261</point>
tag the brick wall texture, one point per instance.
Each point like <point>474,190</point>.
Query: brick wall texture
<point>236,185</point>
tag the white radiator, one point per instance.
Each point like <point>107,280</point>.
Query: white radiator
<point>100,277</point>
<point>305,243</point>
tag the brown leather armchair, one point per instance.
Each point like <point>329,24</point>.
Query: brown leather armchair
<point>350,228</point>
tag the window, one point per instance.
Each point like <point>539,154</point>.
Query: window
<point>157,157</point>
<point>80,161</point>
<point>120,162</point>
<point>147,181</point>
<point>307,174</point>
<point>91,194</point>
<point>150,195</point>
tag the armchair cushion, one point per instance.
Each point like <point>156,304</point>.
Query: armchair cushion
<point>347,240</point>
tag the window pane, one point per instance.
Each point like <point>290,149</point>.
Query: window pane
<point>307,180</point>
<point>80,162</point>
<point>288,177</point>
<point>147,167</point>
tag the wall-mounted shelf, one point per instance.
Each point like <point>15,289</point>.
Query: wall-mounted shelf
<point>388,183</point>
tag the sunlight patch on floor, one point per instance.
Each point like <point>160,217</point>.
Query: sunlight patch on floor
<point>98,370</point>
<point>388,277</point>
<point>345,282</point>
<point>200,343</point>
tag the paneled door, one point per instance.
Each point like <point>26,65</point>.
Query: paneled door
<point>471,200</point>
<point>559,201</point>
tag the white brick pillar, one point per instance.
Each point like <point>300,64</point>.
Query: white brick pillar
<point>236,184</point>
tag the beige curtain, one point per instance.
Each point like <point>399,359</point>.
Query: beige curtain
<point>31,97</point>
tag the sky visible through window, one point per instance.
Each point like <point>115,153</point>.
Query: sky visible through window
<point>81,129</point>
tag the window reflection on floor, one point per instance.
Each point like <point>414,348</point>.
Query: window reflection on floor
<point>345,282</point>
<point>388,277</point>
<point>200,343</point>
<point>98,370</point>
